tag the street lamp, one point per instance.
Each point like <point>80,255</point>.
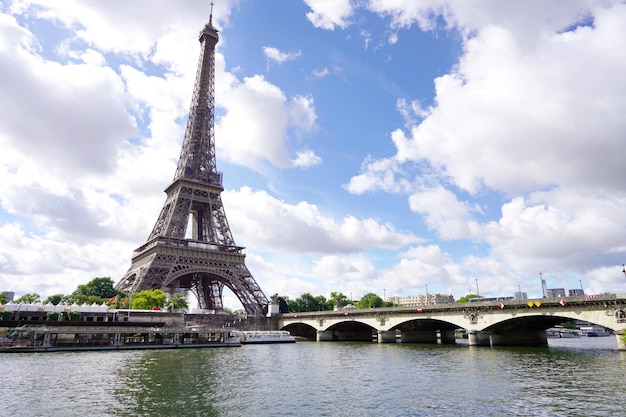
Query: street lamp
<point>477,292</point>
<point>624,270</point>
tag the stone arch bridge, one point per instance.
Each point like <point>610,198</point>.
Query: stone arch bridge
<point>488,323</point>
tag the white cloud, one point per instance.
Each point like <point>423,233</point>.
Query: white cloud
<point>411,112</point>
<point>261,119</point>
<point>306,158</point>
<point>321,73</point>
<point>302,228</point>
<point>528,115</point>
<point>513,117</point>
<point>257,117</point>
<point>328,14</point>
<point>67,135</point>
<point>442,212</point>
<point>47,266</point>
<point>113,26</point>
<point>379,174</point>
<point>550,229</point>
<point>276,55</point>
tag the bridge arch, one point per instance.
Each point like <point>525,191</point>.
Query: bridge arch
<point>348,330</point>
<point>301,330</point>
<point>423,330</point>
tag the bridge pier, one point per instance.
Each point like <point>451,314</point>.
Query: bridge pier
<point>325,336</point>
<point>520,338</point>
<point>447,337</point>
<point>418,336</point>
<point>386,336</point>
<point>477,338</point>
<point>621,345</point>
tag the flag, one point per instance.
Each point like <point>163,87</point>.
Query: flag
<point>113,300</point>
<point>126,301</point>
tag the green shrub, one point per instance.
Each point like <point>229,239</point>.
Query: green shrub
<point>52,315</point>
<point>6,315</point>
<point>73,315</point>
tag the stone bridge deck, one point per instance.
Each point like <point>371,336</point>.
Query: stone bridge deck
<point>495,323</point>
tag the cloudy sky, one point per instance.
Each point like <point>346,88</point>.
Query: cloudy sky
<point>386,146</point>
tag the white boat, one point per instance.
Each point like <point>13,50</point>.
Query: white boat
<point>56,337</point>
<point>593,331</point>
<point>264,337</point>
<point>559,332</point>
<point>568,333</point>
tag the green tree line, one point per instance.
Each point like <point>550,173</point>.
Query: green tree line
<point>309,302</point>
<point>101,290</point>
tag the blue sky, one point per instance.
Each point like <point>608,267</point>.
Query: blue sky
<point>367,146</point>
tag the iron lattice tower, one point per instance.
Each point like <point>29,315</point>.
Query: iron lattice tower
<point>209,259</point>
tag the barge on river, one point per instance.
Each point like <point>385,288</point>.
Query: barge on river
<point>56,337</point>
<point>264,337</point>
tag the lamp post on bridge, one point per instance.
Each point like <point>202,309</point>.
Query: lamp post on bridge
<point>624,269</point>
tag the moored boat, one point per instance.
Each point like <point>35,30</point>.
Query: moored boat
<point>53,338</point>
<point>264,337</point>
<point>559,332</point>
<point>594,331</point>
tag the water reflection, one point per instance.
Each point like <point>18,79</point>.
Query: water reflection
<point>176,383</point>
<point>320,379</point>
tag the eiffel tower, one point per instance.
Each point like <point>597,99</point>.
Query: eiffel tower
<point>209,260</point>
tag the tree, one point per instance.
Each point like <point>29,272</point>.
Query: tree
<point>99,287</point>
<point>466,298</point>
<point>283,303</point>
<point>54,299</point>
<point>370,300</point>
<point>53,316</point>
<point>148,300</point>
<point>4,298</point>
<point>73,315</point>
<point>177,302</point>
<point>29,299</point>
<point>6,315</point>
<point>338,299</point>
<point>83,299</point>
<point>306,302</point>
<point>97,291</point>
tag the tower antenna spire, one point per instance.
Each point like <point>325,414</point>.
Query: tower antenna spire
<point>211,15</point>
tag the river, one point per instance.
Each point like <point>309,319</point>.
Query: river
<point>573,377</point>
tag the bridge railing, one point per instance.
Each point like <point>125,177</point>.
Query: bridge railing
<point>589,300</point>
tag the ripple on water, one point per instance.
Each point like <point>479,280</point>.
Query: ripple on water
<point>318,379</point>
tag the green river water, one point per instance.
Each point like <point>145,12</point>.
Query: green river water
<point>573,377</point>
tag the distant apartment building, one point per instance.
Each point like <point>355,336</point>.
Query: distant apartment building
<point>555,292</point>
<point>520,295</point>
<point>422,299</point>
<point>575,292</point>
